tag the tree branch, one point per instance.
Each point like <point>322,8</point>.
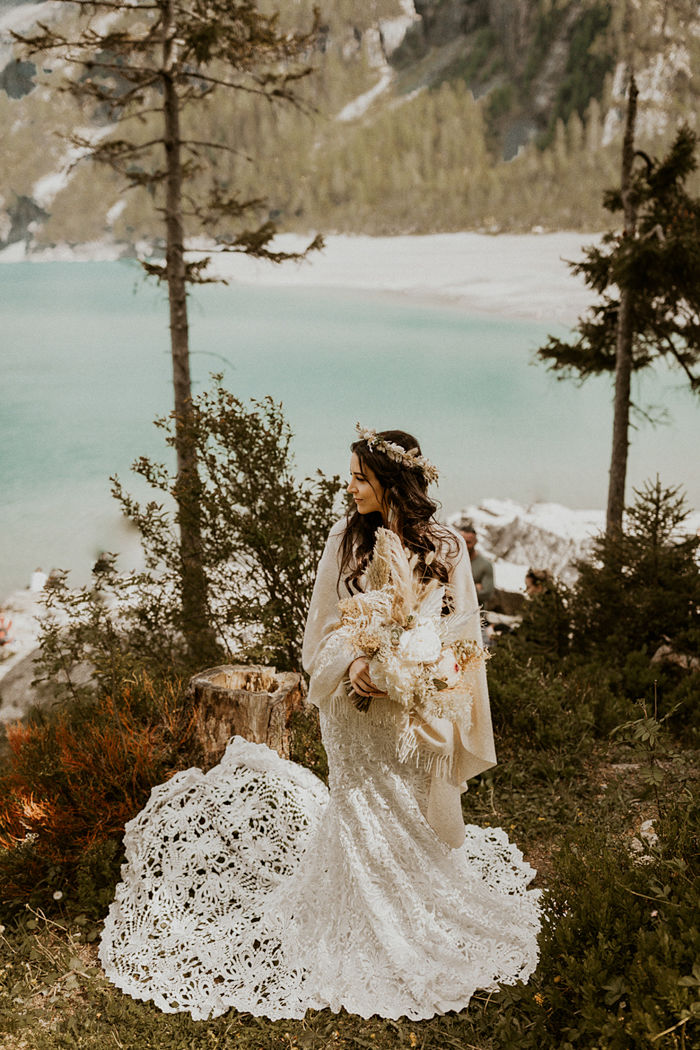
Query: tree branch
<point>219,82</point>
<point>49,40</point>
<point>140,114</point>
<point>116,148</point>
<point>679,357</point>
<point>208,144</point>
<point>254,242</point>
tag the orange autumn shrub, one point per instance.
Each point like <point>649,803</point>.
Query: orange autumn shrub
<point>73,782</point>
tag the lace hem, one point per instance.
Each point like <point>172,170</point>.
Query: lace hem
<point>250,887</point>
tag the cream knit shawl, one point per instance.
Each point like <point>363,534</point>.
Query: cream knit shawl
<point>465,751</point>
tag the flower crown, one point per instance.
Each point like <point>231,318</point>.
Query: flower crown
<point>410,458</point>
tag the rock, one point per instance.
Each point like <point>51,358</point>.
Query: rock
<point>666,654</point>
<point>442,21</point>
<point>251,701</point>
<point>18,693</point>
<point>23,214</point>
<point>17,78</point>
<point>541,536</point>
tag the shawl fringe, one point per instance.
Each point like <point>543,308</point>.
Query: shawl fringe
<point>409,750</point>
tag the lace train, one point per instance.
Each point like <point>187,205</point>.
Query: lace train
<point>251,887</point>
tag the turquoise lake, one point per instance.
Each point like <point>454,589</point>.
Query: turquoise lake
<point>85,367</point>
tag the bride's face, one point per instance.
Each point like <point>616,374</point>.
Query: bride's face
<point>364,488</point>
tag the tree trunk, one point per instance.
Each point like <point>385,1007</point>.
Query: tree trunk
<point>193,583</point>
<point>625,337</point>
<point>254,702</point>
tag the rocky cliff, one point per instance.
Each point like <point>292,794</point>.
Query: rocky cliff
<point>521,59</point>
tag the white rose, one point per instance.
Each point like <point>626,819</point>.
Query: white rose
<point>447,669</point>
<point>421,644</point>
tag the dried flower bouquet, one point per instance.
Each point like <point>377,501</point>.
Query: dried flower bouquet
<point>417,656</point>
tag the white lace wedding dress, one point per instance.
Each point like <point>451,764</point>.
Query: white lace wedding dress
<point>253,886</point>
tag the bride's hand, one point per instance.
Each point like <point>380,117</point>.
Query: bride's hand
<point>360,680</point>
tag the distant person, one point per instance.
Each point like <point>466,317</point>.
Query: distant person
<point>38,581</point>
<point>55,578</point>
<point>537,581</point>
<point>482,568</point>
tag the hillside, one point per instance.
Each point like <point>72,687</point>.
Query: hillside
<point>425,116</point>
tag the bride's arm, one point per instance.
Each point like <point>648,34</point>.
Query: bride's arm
<point>326,653</point>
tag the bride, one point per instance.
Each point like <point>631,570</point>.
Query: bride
<point>253,886</point>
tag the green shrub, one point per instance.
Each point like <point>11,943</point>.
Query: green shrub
<point>545,628</point>
<point>263,533</point>
<point>619,946</point>
<point>499,102</point>
<point>535,709</point>
<point>642,589</point>
<point>603,635</point>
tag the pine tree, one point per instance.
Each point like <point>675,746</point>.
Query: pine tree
<point>142,64</point>
<point>643,587</point>
<point>647,273</point>
<point>648,278</point>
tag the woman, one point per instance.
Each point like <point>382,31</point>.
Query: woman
<point>254,887</point>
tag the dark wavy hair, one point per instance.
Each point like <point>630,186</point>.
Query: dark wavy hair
<point>406,500</point>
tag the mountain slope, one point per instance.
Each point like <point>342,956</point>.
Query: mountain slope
<point>430,115</point>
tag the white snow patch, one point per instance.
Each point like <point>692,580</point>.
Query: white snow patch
<point>393,30</point>
<point>378,43</point>
<point>92,251</point>
<point>372,43</point>
<point>359,106</point>
<point>14,253</point>
<point>49,186</point>
<point>115,211</point>
<point>20,19</point>
<point>103,250</point>
<point>24,16</point>
<point>655,85</point>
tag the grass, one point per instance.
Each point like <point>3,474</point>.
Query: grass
<point>53,995</point>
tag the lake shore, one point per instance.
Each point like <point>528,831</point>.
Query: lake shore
<point>522,276</point>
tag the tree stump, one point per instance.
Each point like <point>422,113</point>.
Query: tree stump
<point>251,701</point>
